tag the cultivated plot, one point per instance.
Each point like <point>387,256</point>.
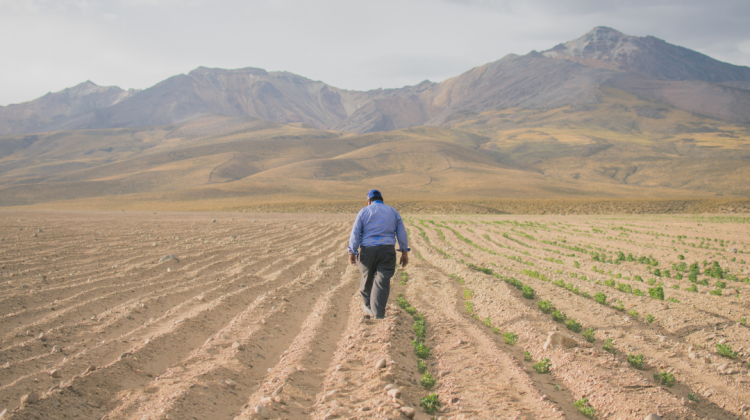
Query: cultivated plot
<point>258,316</point>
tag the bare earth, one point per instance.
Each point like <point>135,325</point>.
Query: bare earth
<point>261,317</point>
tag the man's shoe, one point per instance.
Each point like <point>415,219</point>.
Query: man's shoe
<point>368,311</point>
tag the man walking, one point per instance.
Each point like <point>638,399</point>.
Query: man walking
<point>375,232</point>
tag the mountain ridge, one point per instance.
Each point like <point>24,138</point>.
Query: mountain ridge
<point>567,74</point>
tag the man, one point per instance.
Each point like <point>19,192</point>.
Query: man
<point>375,232</point>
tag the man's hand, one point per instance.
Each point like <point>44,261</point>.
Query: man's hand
<point>404,259</point>
<point>352,259</point>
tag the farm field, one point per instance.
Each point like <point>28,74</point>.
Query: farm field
<point>259,316</point>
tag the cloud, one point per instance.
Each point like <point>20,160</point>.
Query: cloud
<point>53,44</point>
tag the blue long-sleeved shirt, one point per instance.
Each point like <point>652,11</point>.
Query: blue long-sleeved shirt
<point>378,224</point>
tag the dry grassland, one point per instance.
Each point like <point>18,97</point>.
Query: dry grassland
<point>477,206</point>
<point>261,318</point>
<point>622,148</point>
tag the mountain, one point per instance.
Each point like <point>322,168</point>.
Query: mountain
<point>53,110</point>
<point>568,74</point>
<point>650,67</point>
<point>277,96</point>
<point>648,57</point>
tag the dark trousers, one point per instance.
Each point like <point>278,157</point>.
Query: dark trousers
<point>377,265</point>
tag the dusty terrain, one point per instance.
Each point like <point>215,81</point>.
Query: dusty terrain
<point>260,317</point>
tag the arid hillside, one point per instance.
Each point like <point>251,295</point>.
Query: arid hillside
<point>620,147</point>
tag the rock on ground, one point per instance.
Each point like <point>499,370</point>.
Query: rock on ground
<point>262,411</point>
<point>408,412</point>
<point>168,257</point>
<point>555,339</point>
<point>31,398</point>
<point>380,364</point>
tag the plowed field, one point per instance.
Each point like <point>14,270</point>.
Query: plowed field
<point>259,316</point>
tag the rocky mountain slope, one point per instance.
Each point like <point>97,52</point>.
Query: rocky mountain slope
<point>568,74</point>
<point>54,111</point>
<point>648,57</point>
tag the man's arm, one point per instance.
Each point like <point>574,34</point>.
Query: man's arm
<point>355,238</point>
<point>403,240</point>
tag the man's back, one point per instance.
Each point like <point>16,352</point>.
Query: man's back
<point>379,224</point>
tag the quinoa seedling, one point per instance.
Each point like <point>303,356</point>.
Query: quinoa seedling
<point>636,361</point>
<point>487,322</point>
<point>421,366</point>
<point>469,306</point>
<point>427,381</point>
<point>609,346</point>
<point>650,318</point>
<point>430,403</point>
<point>673,299</point>
<point>421,350</point>
<point>693,288</point>
<point>544,305</point>
<point>743,321</point>
<point>726,351</point>
<point>420,328</point>
<point>528,292</point>
<point>584,408</point>
<point>633,313</point>
<point>692,397</point>
<point>401,301</point>
<point>589,335</point>
<point>600,297</point>
<point>496,330</point>
<point>481,269</point>
<point>542,366</point>
<point>664,378</point>
<point>510,337</point>
<point>572,325</point>
<point>526,356</point>
<point>656,292</point>
<point>468,294</point>
<point>558,316</point>
<point>619,306</point>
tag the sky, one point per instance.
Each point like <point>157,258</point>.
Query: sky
<point>48,45</point>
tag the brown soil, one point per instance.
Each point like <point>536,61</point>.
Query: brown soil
<point>263,310</point>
